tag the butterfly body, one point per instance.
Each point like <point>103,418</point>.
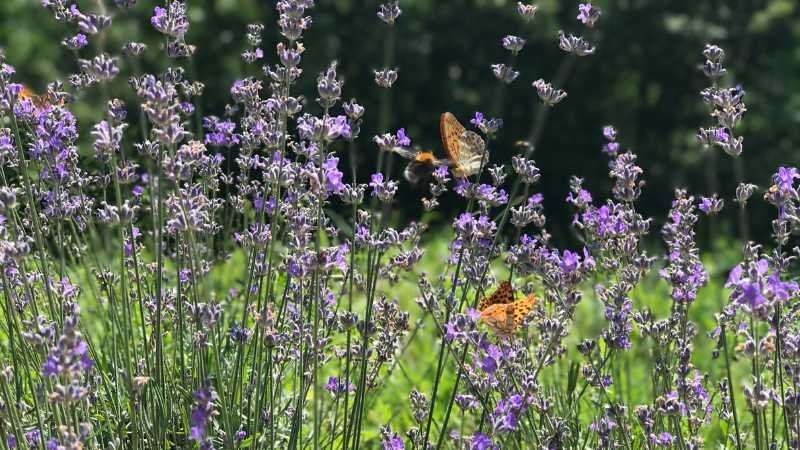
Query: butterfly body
<point>502,313</point>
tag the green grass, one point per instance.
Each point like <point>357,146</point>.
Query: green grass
<point>415,364</point>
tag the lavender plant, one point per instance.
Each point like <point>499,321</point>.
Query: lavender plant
<point>220,282</point>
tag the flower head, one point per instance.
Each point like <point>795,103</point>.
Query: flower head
<point>588,14</point>
<point>389,11</point>
<point>549,95</point>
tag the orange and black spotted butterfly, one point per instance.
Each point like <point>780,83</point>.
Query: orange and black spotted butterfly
<point>502,313</point>
<point>465,150</point>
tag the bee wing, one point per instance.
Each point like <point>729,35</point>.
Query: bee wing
<point>405,153</point>
<point>443,162</point>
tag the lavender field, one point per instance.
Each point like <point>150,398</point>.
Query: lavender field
<point>259,272</point>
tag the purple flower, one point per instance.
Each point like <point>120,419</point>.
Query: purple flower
<point>76,42</point>
<point>402,139</point>
<point>386,78</point>
<point>389,11</point>
<point>663,439</point>
<point>107,140</point>
<point>611,148</point>
<point>241,435</point>
<point>185,275</point>
<point>172,20</point>
<point>7,145</point>
<point>588,14</point>
<point>463,187</point>
<point>752,296</point>
<point>336,386</point>
<point>489,362</point>
<point>576,45</point>
<point>480,441</point>
<point>221,133</point>
<point>239,334</point>
<point>685,271</point>
<point>505,416</point>
<point>513,44</point>
<point>385,191</point>
<point>721,135</point>
<point>466,402</point>
<point>711,205</point>
<point>338,127</point>
<point>549,95</point>
<point>528,12</point>
<point>781,290</point>
<point>581,198</point>
<point>490,195</point>
<point>477,119</point>
<point>393,442</point>
<point>333,176</point>
<point>785,177</point>
<point>201,413</point>
<point>610,133</point>
<point>487,126</point>
<point>569,261</point>
<point>32,438</point>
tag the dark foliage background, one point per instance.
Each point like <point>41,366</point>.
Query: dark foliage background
<point>644,79</point>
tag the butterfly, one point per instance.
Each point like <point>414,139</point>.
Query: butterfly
<point>465,148</point>
<point>40,102</point>
<point>501,312</point>
<point>465,152</point>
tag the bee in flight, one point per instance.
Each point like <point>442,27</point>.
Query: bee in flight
<point>502,313</point>
<point>466,152</point>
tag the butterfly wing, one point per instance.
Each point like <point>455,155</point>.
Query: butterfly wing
<point>504,294</point>
<point>40,101</point>
<point>500,318</point>
<point>473,153</point>
<point>451,130</point>
<point>27,92</point>
<point>522,307</point>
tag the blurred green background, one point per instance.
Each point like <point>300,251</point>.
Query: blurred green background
<point>644,79</point>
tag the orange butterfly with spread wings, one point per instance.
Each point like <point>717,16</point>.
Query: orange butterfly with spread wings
<point>466,152</point>
<point>500,312</point>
